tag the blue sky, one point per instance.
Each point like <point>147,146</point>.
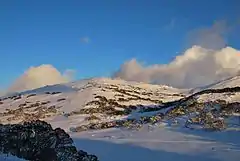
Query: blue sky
<point>96,37</point>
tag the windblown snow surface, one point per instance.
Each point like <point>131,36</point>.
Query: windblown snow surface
<point>229,82</point>
<point>152,143</point>
<point>164,143</point>
<point>4,157</point>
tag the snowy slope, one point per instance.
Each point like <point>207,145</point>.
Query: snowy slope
<point>71,97</point>
<point>228,96</point>
<point>159,144</point>
<point>61,104</point>
<point>229,82</point>
<point>4,157</point>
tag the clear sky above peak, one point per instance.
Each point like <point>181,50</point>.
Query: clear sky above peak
<point>96,37</point>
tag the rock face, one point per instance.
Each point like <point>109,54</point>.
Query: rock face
<point>37,141</point>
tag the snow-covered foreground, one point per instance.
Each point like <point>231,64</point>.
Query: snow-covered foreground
<point>167,144</point>
<point>4,157</point>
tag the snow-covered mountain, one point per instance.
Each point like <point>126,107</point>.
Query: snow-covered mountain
<point>86,94</point>
<point>97,113</point>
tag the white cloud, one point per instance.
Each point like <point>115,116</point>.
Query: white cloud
<point>213,37</point>
<point>208,59</point>
<point>40,76</point>
<point>85,40</point>
<point>197,66</point>
<point>69,74</point>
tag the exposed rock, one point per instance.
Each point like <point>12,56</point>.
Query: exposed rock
<point>37,141</point>
<point>134,124</point>
<point>61,99</point>
<point>31,95</point>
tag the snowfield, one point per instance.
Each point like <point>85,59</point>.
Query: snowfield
<point>230,82</point>
<point>160,144</point>
<point>162,141</point>
<point>4,157</point>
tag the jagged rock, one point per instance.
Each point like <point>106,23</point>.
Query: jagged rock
<point>37,141</point>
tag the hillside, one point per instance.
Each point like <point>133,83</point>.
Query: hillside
<point>229,82</point>
<point>105,112</point>
<point>103,96</point>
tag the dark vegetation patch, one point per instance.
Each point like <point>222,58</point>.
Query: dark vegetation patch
<point>31,95</point>
<point>61,99</point>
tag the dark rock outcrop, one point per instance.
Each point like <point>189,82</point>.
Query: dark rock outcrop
<point>37,141</point>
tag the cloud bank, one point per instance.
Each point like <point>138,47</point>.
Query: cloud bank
<point>197,66</point>
<point>40,76</point>
<point>207,60</point>
<point>213,37</point>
